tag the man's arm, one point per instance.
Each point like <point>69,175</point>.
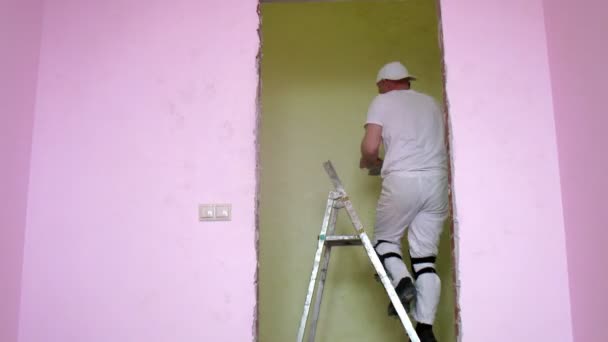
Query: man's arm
<point>370,146</point>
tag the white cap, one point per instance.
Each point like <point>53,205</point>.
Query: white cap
<point>393,71</point>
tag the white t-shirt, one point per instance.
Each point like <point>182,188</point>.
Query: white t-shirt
<point>412,132</point>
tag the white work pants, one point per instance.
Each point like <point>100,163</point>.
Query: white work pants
<point>418,201</point>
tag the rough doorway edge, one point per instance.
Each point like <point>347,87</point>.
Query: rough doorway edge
<point>258,120</point>
<point>454,228</point>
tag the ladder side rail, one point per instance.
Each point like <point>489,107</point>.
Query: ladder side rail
<point>323,276</point>
<point>315,269</point>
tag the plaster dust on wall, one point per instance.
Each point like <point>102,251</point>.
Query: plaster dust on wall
<point>318,80</point>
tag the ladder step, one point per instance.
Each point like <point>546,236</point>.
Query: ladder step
<point>343,240</point>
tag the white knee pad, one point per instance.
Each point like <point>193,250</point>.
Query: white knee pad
<point>428,287</point>
<point>390,256</point>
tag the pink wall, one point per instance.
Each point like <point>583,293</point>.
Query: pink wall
<point>145,109</point>
<point>577,54</point>
<point>20,27</point>
<point>511,248</point>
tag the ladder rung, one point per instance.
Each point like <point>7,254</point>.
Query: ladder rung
<point>343,240</point>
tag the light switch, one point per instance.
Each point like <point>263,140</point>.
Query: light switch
<point>223,212</point>
<point>215,212</point>
<point>206,212</point>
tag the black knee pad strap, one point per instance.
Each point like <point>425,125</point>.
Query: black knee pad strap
<point>430,259</point>
<point>423,271</point>
<point>425,260</point>
<point>386,255</point>
<point>380,242</point>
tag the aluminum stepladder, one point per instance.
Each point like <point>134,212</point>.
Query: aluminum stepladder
<point>336,200</point>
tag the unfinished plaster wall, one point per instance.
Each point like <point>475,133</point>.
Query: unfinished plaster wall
<point>575,32</point>
<point>20,28</point>
<point>145,110</point>
<point>511,247</point>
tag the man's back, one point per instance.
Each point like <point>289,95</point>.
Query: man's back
<point>414,193</point>
<point>412,131</point>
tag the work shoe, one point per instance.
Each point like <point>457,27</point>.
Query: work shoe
<point>406,291</point>
<point>425,333</point>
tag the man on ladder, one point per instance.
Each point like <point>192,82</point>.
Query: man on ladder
<point>414,195</point>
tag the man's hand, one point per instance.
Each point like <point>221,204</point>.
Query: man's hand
<point>363,164</point>
<point>370,146</point>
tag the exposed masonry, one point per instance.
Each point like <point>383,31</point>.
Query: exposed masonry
<point>258,119</point>
<point>454,228</point>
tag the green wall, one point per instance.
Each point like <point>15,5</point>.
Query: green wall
<point>318,71</point>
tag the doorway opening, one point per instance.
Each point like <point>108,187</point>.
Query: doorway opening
<point>318,68</point>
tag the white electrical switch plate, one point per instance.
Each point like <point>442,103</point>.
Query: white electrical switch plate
<point>223,212</point>
<point>206,212</point>
<point>214,212</point>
